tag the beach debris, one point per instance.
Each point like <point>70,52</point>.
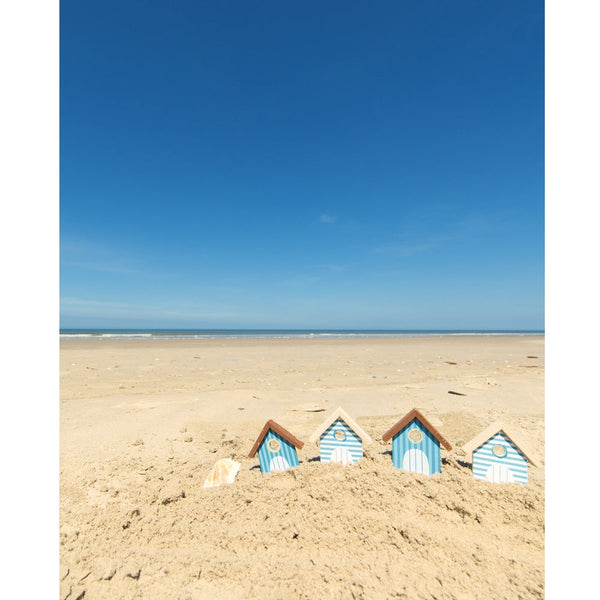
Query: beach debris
<point>187,438</point>
<point>456,393</point>
<point>340,438</point>
<point>497,456</point>
<point>84,576</point>
<point>276,448</point>
<point>533,357</point>
<point>74,593</point>
<point>448,362</point>
<point>172,493</point>
<point>416,444</point>
<point>312,407</point>
<point>105,569</point>
<point>138,442</point>
<point>223,471</point>
<point>133,570</point>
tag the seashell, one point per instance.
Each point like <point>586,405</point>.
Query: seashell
<point>223,471</point>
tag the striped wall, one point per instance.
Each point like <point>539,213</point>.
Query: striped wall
<point>488,466</point>
<point>401,444</point>
<point>329,442</point>
<point>287,451</point>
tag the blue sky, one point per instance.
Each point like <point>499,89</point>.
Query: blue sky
<point>313,164</point>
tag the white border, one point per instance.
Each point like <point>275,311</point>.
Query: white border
<point>29,121</point>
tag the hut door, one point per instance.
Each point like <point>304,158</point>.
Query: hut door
<point>499,474</point>
<point>416,461</point>
<point>341,454</point>
<point>278,463</point>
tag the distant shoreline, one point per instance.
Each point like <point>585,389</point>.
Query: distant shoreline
<point>279,333</point>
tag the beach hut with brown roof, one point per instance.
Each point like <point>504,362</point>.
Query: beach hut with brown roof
<point>340,438</point>
<point>276,448</point>
<point>416,444</point>
<point>499,455</point>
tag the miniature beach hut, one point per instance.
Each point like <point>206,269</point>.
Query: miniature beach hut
<point>340,438</point>
<point>276,448</point>
<point>499,456</point>
<point>416,444</point>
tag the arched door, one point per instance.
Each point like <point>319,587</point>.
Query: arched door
<point>278,463</point>
<point>499,474</point>
<point>341,454</point>
<point>416,461</point>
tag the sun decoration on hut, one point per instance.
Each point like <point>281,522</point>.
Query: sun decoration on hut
<point>415,436</point>
<point>273,445</point>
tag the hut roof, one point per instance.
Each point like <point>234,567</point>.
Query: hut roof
<point>340,413</point>
<point>407,418</point>
<point>492,430</point>
<point>284,433</point>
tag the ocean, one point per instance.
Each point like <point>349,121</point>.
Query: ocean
<point>277,333</point>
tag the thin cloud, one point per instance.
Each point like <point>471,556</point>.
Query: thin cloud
<point>332,268</point>
<point>301,281</point>
<point>103,267</point>
<point>325,218</point>
<point>466,227</point>
<point>71,301</point>
<point>92,256</point>
<point>405,250</point>
<point>72,306</point>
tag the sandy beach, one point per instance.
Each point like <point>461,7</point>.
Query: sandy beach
<point>142,421</point>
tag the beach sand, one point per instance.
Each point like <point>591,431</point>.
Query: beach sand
<point>142,422</point>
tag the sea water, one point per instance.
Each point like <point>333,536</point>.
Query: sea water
<point>276,333</point>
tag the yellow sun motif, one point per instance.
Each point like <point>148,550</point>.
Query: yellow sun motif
<point>415,436</point>
<point>273,445</point>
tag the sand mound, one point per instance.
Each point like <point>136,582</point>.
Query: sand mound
<point>144,527</point>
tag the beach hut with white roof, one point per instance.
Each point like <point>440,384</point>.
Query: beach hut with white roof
<point>499,455</point>
<point>340,438</point>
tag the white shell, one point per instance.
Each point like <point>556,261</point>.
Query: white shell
<point>223,471</point>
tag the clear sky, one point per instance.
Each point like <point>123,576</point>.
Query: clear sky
<point>302,164</point>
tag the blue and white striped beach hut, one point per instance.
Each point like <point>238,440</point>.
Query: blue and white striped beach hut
<point>276,448</point>
<point>498,456</point>
<point>416,444</point>
<point>340,438</point>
